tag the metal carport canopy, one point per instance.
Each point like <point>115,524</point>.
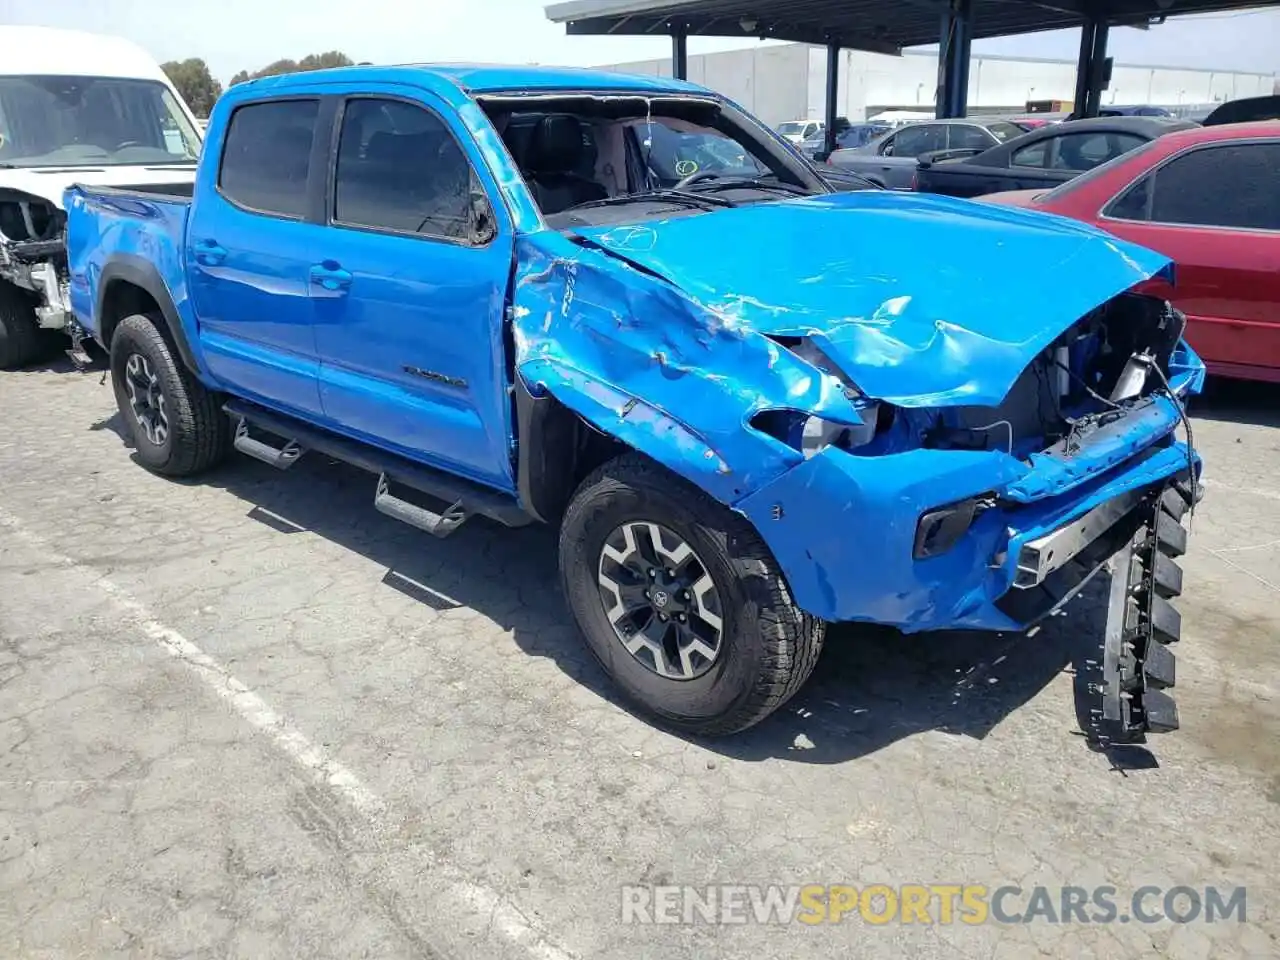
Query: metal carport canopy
<point>881,26</point>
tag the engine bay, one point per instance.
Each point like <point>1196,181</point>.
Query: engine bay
<point>1113,357</point>
<point>33,254</point>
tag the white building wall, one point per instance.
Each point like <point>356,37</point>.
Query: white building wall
<point>788,81</point>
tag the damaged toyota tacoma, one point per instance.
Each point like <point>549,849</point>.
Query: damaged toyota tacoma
<point>752,406</point>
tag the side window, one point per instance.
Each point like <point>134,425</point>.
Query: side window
<point>921,138</point>
<point>400,168</point>
<point>1134,203</point>
<point>1232,185</point>
<point>1036,155</point>
<point>1084,151</point>
<point>965,136</point>
<point>267,154</point>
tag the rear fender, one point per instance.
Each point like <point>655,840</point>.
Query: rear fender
<point>124,271</point>
<point>644,364</point>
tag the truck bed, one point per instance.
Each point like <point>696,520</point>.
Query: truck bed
<point>147,222</point>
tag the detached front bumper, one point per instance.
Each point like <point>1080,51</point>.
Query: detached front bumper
<point>844,531</point>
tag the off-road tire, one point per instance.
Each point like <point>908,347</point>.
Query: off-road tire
<point>21,339</point>
<point>199,433</point>
<point>769,645</point>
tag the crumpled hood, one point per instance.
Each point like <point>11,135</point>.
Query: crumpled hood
<point>921,300</point>
<point>49,183</point>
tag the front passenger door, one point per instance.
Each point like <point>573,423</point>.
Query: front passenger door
<point>409,286</point>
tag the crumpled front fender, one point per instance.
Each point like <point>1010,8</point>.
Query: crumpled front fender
<point>644,363</point>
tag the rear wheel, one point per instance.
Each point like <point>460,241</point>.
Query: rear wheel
<point>680,600</point>
<point>176,424</point>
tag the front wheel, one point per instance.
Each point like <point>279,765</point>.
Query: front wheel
<point>175,422</point>
<point>681,601</point>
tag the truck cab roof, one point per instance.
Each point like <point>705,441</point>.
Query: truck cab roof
<point>479,79</point>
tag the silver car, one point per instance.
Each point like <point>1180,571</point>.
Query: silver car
<point>890,160</point>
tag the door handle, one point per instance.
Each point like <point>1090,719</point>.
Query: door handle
<point>209,253</point>
<point>330,276</point>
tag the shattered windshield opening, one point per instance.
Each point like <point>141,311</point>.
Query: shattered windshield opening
<point>595,160</point>
<point>51,121</point>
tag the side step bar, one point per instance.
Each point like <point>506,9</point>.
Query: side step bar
<point>464,498</point>
<point>436,524</point>
<point>282,458</point>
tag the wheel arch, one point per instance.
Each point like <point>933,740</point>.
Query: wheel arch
<point>130,285</point>
<point>556,450</point>
<point>566,430</point>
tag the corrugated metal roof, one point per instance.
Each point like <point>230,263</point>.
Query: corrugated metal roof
<point>885,26</point>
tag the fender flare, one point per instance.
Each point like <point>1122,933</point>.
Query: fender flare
<point>143,274</point>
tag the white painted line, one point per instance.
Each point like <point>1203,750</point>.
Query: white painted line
<point>315,760</point>
<point>1250,491</point>
<point>1248,573</point>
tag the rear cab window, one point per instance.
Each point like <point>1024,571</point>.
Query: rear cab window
<point>266,156</point>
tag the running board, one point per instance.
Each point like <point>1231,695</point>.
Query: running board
<point>282,458</point>
<point>466,499</point>
<point>425,519</point>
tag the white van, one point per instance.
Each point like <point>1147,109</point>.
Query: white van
<point>74,108</point>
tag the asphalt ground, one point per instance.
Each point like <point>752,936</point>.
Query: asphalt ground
<point>251,717</point>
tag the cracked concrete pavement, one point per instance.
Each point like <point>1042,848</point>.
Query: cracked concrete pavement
<point>397,746</point>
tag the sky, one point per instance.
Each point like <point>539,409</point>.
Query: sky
<point>231,35</point>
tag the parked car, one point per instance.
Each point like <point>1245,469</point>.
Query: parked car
<point>1036,122</point>
<point>1040,159</point>
<point>74,107</point>
<point>1208,198</point>
<point>856,135</point>
<point>1244,110</point>
<point>1143,110</point>
<point>890,161</point>
<point>741,434</point>
<point>797,131</point>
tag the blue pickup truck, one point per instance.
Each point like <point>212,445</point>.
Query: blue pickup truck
<point>485,286</point>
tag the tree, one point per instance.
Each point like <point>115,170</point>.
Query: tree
<point>195,83</point>
<point>312,61</point>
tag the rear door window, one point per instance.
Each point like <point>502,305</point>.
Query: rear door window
<point>401,169</point>
<point>266,156</point>
<point>1084,151</point>
<point>922,138</point>
<point>1235,185</point>
<point>1035,155</point>
<point>967,136</point>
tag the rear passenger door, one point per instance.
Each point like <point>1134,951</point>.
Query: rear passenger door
<point>248,248</point>
<point>410,286</point>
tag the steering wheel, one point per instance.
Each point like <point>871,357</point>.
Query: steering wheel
<point>126,143</point>
<point>696,177</point>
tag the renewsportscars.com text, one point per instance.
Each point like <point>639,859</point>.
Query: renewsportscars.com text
<point>937,903</point>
